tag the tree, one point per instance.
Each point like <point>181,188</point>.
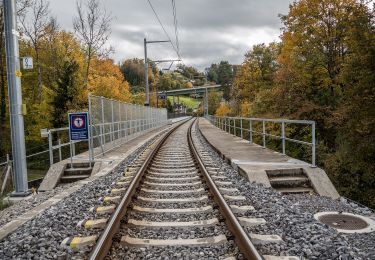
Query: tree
<point>134,71</point>
<point>66,92</point>
<point>223,74</point>
<point>354,158</point>
<point>93,27</point>
<point>107,80</point>
<point>212,73</point>
<point>34,25</point>
<point>254,80</point>
<point>214,99</point>
<point>225,77</point>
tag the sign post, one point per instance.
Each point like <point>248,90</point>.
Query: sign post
<point>79,130</point>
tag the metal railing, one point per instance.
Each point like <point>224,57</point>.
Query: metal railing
<point>233,125</point>
<point>5,174</point>
<point>112,123</point>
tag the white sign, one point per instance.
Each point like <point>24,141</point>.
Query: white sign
<point>27,63</point>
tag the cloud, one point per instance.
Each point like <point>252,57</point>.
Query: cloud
<point>209,30</point>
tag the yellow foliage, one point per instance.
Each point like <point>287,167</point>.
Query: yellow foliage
<point>106,80</point>
<point>245,109</point>
<point>223,110</point>
<point>189,85</point>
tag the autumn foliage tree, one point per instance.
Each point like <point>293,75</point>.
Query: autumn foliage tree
<point>322,70</point>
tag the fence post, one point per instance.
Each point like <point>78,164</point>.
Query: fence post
<point>102,128</point>
<point>250,131</point>
<point>264,134</point>
<point>74,149</point>
<point>126,122</point>
<point>91,135</point>
<point>234,127</point>
<point>283,136</point>
<point>112,125</point>
<point>8,173</point>
<point>60,154</point>
<point>119,124</point>
<point>50,147</point>
<point>313,147</point>
<point>241,129</point>
<point>71,154</point>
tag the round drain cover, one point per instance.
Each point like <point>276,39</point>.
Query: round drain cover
<point>343,221</point>
<point>346,222</point>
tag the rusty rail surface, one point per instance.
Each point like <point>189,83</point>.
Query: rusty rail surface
<point>242,239</point>
<point>104,242</point>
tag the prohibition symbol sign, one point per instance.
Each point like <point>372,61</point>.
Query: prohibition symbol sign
<point>78,126</point>
<point>78,122</point>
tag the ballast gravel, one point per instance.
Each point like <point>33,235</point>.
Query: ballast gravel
<point>289,216</point>
<point>40,238</point>
<point>292,218</point>
<point>178,138</point>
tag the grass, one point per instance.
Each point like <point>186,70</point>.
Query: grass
<point>188,101</point>
<point>35,174</point>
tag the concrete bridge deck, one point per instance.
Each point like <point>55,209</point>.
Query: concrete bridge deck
<point>253,161</point>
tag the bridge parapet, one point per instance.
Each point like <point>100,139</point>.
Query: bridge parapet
<point>250,127</point>
<point>112,123</point>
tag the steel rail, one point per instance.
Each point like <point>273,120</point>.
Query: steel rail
<point>242,239</point>
<point>104,242</point>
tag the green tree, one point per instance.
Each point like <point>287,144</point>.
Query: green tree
<point>134,71</point>
<point>354,159</point>
<point>225,77</point>
<point>254,81</point>
<point>65,92</point>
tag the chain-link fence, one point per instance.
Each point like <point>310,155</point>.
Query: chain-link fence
<point>114,123</point>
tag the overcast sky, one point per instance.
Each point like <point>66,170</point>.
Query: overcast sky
<point>209,30</point>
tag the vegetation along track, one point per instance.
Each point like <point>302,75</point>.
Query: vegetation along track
<point>171,196</point>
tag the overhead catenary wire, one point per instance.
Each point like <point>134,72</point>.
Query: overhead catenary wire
<point>165,31</point>
<point>175,21</point>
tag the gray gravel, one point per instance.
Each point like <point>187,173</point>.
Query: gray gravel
<point>291,217</point>
<point>40,238</point>
<point>186,253</point>
<point>8,214</point>
<point>177,139</point>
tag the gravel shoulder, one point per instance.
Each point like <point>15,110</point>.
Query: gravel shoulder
<point>40,237</point>
<point>292,218</point>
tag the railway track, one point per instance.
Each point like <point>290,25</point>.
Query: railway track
<point>172,195</point>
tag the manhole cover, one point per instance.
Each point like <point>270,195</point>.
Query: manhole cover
<point>346,222</point>
<point>343,221</point>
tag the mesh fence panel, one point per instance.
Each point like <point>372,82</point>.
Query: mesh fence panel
<point>114,123</point>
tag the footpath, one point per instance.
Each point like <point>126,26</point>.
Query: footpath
<point>260,165</point>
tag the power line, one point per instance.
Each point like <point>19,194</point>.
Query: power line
<point>162,26</point>
<point>175,24</point>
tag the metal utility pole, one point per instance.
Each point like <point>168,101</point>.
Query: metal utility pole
<point>145,42</point>
<point>147,100</point>
<point>206,103</point>
<point>162,61</point>
<point>15,100</point>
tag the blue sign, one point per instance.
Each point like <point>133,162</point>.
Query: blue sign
<point>79,126</point>
<point>162,96</point>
